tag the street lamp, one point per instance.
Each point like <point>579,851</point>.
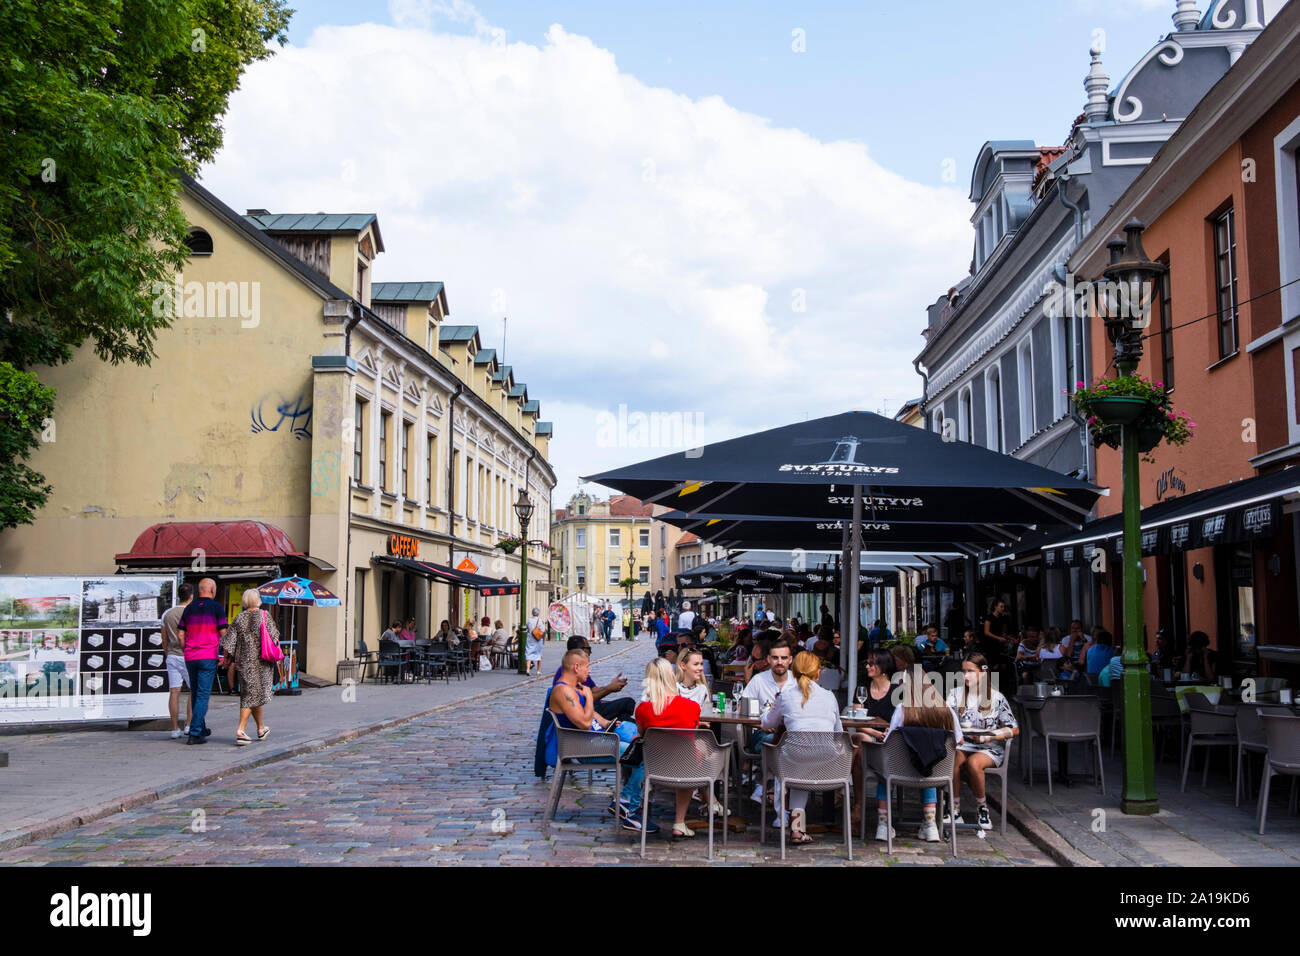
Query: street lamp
<point>524,511</point>
<point>1130,266</point>
<point>631,563</point>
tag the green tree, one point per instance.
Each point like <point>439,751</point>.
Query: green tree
<point>102,103</point>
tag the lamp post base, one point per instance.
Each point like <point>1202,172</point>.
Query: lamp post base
<point>1143,808</point>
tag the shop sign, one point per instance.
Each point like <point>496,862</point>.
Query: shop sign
<point>1213,528</point>
<point>1049,558</point>
<point>1257,522</point>
<point>1150,541</point>
<point>403,546</point>
<point>1179,535</point>
<point>1167,482</point>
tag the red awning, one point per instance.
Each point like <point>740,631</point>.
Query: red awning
<point>220,542</point>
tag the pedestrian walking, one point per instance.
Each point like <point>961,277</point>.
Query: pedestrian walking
<point>242,643</point>
<point>201,628</point>
<point>535,637</point>
<point>177,676</point>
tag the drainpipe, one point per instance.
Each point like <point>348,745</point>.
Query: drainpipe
<point>925,385</point>
<point>354,316</point>
<point>451,493</point>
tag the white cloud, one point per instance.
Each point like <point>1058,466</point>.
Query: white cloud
<point>1128,9</point>
<point>667,253</point>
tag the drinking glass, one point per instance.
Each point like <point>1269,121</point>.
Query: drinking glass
<point>861,695</point>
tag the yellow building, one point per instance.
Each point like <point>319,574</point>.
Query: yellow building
<point>299,418</point>
<point>591,541</point>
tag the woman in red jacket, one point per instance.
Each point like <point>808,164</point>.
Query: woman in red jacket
<point>664,707</point>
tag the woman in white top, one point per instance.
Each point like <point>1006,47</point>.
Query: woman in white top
<point>692,685</point>
<point>813,707</point>
<point>533,645</point>
<point>989,723</point>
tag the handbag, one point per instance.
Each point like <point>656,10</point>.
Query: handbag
<point>271,652</point>
<point>633,755</point>
<point>538,633</point>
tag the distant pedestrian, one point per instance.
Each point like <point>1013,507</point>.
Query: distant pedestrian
<point>201,628</point>
<point>687,618</point>
<point>535,638</point>
<point>177,677</point>
<point>243,644</point>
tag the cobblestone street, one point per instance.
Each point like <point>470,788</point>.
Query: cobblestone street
<point>453,787</point>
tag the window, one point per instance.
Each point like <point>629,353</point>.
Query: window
<point>430,463</point>
<point>613,576</point>
<point>1225,281</point>
<point>1166,328</point>
<point>643,574</point>
<point>582,576</point>
<point>199,243</point>
<point>993,385</point>
<point>936,422</point>
<point>361,283</point>
<point>384,419</point>
<point>615,538</point>
<point>1025,358</point>
<point>966,421</point>
<point>358,435</point>
<point>643,537</point>
<point>431,339</point>
<point>407,490</point>
<point>581,537</point>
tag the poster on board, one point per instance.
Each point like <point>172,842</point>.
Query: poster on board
<point>77,648</point>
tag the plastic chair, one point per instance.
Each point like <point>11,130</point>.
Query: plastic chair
<point>684,760</point>
<point>809,760</point>
<point>430,662</point>
<point>1282,735</point>
<point>1068,720</point>
<point>581,749</point>
<point>1209,726</point>
<point>1167,716</point>
<point>392,659</point>
<point>1250,738</point>
<point>1001,773</point>
<point>892,763</point>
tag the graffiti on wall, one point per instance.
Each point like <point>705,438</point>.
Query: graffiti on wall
<point>272,411</point>
<point>325,473</point>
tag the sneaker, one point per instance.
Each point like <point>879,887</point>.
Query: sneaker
<point>929,833</point>
<point>884,833</point>
<point>985,821</point>
<point>634,823</point>
<point>947,816</point>
<point>177,734</point>
<point>624,806</point>
<point>186,730</point>
<point>191,739</point>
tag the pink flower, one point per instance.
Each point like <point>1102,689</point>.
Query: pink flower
<point>1092,421</point>
<point>1160,384</point>
<point>1102,385</point>
<point>1078,385</point>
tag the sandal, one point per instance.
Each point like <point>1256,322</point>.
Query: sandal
<point>242,739</point>
<point>262,734</point>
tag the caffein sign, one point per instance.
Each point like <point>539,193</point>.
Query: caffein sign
<point>403,546</point>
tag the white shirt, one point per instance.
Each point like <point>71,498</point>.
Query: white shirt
<point>699,693</point>
<point>765,689</point>
<point>1050,654</point>
<point>820,712</point>
<point>685,620</point>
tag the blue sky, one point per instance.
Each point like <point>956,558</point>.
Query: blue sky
<point>679,213</point>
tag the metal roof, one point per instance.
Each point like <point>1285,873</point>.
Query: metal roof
<point>485,357</point>
<point>503,373</point>
<point>312,222</point>
<point>533,405</point>
<point>519,391</point>
<point>404,291</point>
<point>457,333</point>
<point>545,428</point>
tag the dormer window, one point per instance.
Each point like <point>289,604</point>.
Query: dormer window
<point>199,242</point>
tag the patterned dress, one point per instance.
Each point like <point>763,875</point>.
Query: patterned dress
<point>976,720</point>
<point>243,642</point>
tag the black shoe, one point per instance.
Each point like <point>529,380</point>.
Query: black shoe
<point>196,740</point>
<point>207,732</point>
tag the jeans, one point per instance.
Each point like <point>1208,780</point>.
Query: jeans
<point>201,674</point>
<point>928,795</point>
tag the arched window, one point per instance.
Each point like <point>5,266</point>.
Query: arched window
<point>199,242</point>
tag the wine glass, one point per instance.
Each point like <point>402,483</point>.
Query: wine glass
<point>861,695</point>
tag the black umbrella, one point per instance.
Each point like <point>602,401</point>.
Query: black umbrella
<point>744,531</point>
<point>853,466</point>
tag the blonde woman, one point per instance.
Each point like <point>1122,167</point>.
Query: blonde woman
<point>692,685</point>
<point>809,707</point>
<point>242,643</point>
<point>664,707</point>
<point>988,724</point>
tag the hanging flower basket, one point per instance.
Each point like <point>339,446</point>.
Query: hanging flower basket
<point>1131,399</point>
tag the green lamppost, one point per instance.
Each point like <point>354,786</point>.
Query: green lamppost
<point>631,565</point>
<point>524,511</point>
<point>1127,317</point>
